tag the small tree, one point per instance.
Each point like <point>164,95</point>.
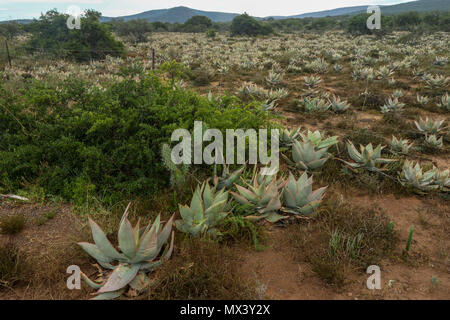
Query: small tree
<point>246,25</point>
<point>91,42</point>
<point>197,24</point>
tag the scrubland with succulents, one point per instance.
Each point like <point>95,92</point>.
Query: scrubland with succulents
<point>364,125</point>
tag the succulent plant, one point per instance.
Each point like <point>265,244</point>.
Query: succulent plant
<point>413,176</point>
<point>444,102</point>
<point>306,157</point>
<point>269,105</point>
<point>316,105</point>
<point>384,73</point>
<point>177,172</point>
<point>429,126</point>
<point>280,93</point>
<point>434,142</point>
<point>442,179</point>
<point>400,146</point>
<point>140,249</point>
<point>436,82</point>
<point>422,100</point>
<point>227,179</point>
<point>298,196</point>
<point>249,89</point>
<point>207,209</point>
<point>263,197</point>
<point>368,158</point>
<point>274,79</point>
<point>317,139</point>
<point>338,68</point>
<point>288,137</point>
<point>392,105</point>
<point>312,81</point>
<point>339,106</point>
<point>318,66</point>
<point>440,61</point>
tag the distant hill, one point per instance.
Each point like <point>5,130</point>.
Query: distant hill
<point>419,6</point>
<point>326,13</point>
<point>182,14</point>
<point>177,14</point>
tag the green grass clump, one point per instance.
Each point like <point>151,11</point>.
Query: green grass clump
<point>12,224</point>
<point>201,269</point>
<point>342,237</point>
<point>11,265</point>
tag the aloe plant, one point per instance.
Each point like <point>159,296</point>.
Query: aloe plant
<point>298,196</point>
<point>306,157</point>
<point>312,81</point>
<point>429,126</point>
<point>392,105</point>
<point>384,73</point>
<point>274,79</point>
<point>444,102</point>
<point>339,106</point>
<point>442,179</point>
<point>436,82</point>
<point>414,177</point>
<point>289,136</point>
<point>400,146</point>
<point>434,142</point>
<point>422,100</point>
<point>207,209</point>
<point>316,105</point>
<point>368,158</point>
<point>140,249</point>
<point>263,197</point>
<point>317,139</point>
<point>227,179</point>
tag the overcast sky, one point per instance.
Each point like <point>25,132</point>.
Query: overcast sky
<point>19,9</point>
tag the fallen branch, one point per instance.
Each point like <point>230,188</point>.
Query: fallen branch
<point>13,196</point>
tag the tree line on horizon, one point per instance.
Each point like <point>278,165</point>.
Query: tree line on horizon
<point>50,32</point>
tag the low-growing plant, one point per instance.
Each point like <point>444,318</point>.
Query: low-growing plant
<point>262,196</point>
<point>298,196</point>
<point>306,157</point>
<point>368,157</point>
<point>207,210</point>
<point>400,146</point>
<point>12,224</point>
<point>429,126</point>
<point>140,249</point>
<point>12,264</point>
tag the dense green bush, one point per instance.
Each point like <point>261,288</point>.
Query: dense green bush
<point>136,30</point>
<point>244,25</point>
<point>10,29</point>
<point>50,35</point>
<point>76,140</point>
<point>197,24</point>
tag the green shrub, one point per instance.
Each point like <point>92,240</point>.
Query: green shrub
<point>92,41</point>
<point>244,25</point>
<point>108,143</point>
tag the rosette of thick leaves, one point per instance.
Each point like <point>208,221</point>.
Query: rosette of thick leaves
<point>207,209</point>
<point>298,196</point>
<point>139,253</point>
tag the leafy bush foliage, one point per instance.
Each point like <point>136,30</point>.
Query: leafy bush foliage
<point>246,25</point>
<point>77,140</point>
<point>51,35</point>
